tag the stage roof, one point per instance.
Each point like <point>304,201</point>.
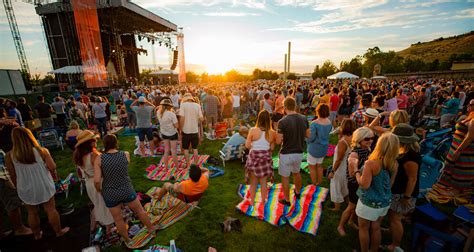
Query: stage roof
<point>130,18</point>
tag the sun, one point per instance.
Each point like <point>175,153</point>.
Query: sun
<point>218,56</point>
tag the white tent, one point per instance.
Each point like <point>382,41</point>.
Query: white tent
<point>343,75</point>
<point>70,70</point>
<point>379,77</point>
<point>164,72</point>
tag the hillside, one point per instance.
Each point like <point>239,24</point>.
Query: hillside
<point>440,48</point>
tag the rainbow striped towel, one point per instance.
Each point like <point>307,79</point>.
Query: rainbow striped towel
<point>161,173</point>
<point>304,214</point>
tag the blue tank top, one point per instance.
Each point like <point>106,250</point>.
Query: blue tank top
<point>378,195</point>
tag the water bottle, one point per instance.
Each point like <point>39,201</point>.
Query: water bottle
<point>98,234</point>
<point>172,246</point>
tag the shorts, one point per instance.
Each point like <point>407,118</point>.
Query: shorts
<point>352,188</point>
<point>313,161</point>
<point>131,117</point>
<point>276,117</point>
<point>190,139</point>
<point>396,207</point>
<point>9,199</point>
<point>211,119</point>
<point>171,138</point>
<point>145,132</point>
<point>236,110</point>
<point>332,115</point>
<point>111,203</point>
<point>369,213</point>
<point>289,163</point>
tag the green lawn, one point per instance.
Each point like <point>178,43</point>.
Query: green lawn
<point>200,229</point>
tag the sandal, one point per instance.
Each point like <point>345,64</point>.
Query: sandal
<point>284,202</point>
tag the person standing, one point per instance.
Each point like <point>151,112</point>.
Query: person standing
<point>144,111</point>
<point>111,179</point>
<point>190,116</point>
<point>259,165</point>
<point>292,130</point>
<point>59,108</point>
<point>30,167</point>
<point>98,109</point>
<point>212,112</point>
<point>279,111</point>
<point>318,143</point>
<point>44,111</point>
<point>168,130</point>
<point>374,191</point>
<point>334,104</point>
<point>26,112</point>
<point>358,115</point>
<point>84,156</point>
<point>236,103</point>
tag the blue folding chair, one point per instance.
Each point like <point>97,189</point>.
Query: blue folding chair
<point>430,170</point>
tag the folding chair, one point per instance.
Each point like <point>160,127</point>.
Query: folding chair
<point>231,153</point>
<point>430,170</point>
<point>50,138</point>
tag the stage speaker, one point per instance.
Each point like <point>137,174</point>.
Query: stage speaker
<point>175,60</point>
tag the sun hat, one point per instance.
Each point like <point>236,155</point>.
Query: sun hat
<point>370,112</point>
<point>166,102</point>
<point>141,99</point>
<point>405,133</point>
<point>188,97</point>
<point>85,136</point>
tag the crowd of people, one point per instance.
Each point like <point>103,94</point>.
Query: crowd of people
<point>375,169</point>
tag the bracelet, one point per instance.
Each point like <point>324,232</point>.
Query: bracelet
<point>356,172</point>
<point>406,197</point>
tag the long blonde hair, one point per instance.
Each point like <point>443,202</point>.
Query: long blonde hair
<point>397,116</point>
<point>387,149</point>
<point>359,135</point>
<point>23,144</point>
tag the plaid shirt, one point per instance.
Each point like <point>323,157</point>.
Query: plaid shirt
<point>212,105</point>
<point>358,117</point>
<point>260,163</point>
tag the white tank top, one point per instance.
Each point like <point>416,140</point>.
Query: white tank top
<point>261,143</point>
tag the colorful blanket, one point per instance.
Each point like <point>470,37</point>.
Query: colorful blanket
<point>304,214</point>
<point>304,164</point>
<point>158,150</point>
<point>161,173</point>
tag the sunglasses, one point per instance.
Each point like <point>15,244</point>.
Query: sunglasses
<point>368,139</point>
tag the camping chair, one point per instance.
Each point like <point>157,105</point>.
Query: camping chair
<point>231,153</point>
<point>433,139</point>
<point>430,170</point>
<point>50,138</point>
<point>441,150</point>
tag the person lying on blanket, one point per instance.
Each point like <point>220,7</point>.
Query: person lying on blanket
<point>189,190</point>
<point>237,139</point>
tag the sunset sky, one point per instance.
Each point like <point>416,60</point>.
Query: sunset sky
<point>242,35</point>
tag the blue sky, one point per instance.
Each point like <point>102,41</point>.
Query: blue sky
<point>221,35</point>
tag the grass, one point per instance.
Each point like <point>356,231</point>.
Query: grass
<point>200,229</point>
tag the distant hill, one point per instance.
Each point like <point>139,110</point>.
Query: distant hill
<point>441,48</point>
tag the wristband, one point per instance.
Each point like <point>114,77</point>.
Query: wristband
<point>356,172</point>
<point>406,197</point>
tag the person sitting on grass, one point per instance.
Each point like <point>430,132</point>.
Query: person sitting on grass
<point>237,139</point>
<point>189,190</point>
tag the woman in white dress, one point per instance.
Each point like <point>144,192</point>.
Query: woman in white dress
<point>84,156</point>
<point>338,183</point>
<point>30,167</point>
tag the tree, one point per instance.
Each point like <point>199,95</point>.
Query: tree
<point>354,66</point>
<point>316,73</point>
<point>327,69</point>
<point>191,77</point>
<point>204,77</point>
<point>145,75</point>
<point>48,79</point>
<point>291,76</point>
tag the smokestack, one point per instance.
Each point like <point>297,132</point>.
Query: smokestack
<point>289,53</point>
<point>284,72</point>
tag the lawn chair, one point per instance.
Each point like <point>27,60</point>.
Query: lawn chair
<point>433,139</point>
<point>50,138</point>
<point>231,153</point>
<point>430,170</point>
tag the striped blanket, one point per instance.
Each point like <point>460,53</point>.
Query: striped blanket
<point>161,173</point>
<point>304,214</point>
<point>163,214</point>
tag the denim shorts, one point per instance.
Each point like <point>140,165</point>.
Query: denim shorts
<point>145,132</point>
<point>112,203</point>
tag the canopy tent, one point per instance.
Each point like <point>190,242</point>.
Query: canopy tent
<point>379,77</point>
<point>69,70</point>
<point>343,75</point>
<point>164,72</point>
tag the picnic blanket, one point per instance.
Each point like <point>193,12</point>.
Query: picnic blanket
<point>163,214</point>
<point>127,132</point>
<point>159,150</point>
<point>157,248</point>
<point>161,173</point>
<point>304,214</point>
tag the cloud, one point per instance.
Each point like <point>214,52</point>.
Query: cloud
<point>414,4</point>
<point>230,14</point>
<point>168,4</point>
<point>468,13</point>
<point>332,4</point>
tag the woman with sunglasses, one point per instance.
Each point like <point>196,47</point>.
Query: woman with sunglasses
<point>362,139</point>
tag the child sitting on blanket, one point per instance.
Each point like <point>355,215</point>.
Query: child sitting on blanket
<point>189,190</point>
<point>237,139</point>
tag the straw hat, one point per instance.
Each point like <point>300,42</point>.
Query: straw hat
<point>85,136</point>
<point>405,133</point>
<point>166,102</point>
<point>370,112</point>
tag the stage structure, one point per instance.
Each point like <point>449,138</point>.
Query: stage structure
<point>74,39</point>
